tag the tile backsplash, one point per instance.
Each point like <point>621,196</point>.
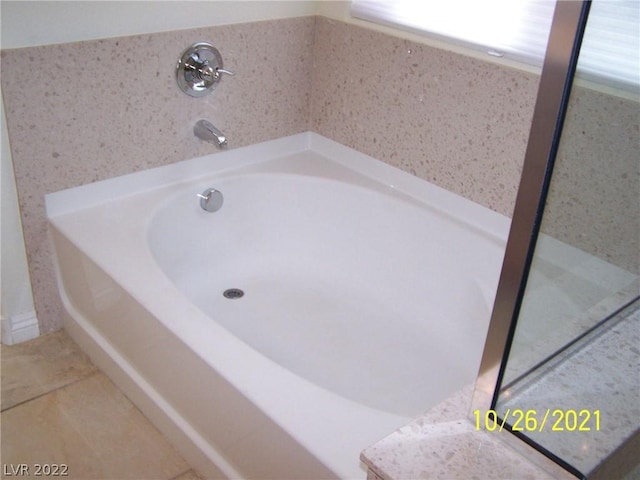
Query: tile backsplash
<point>453,120</point>
<point>594,197</point>
<point>97,109</point>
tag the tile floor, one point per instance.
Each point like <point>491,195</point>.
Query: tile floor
<point>58,408</point>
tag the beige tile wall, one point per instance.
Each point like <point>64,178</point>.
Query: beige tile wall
<point>453,120</point>
<point>594,198</point>
<point>97,109</point>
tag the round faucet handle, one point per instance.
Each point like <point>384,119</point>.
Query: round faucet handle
<point>199,69</point>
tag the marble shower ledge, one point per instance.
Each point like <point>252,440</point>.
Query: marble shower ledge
<point>600,374</point>
<point>444,443</point>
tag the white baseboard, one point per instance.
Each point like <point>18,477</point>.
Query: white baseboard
<point>19,328</point>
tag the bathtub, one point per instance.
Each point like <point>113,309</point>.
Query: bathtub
<point>357,297</point>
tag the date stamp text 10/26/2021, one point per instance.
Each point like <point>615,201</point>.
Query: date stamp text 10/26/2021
<point>550,420</point>
<point>35,470</point>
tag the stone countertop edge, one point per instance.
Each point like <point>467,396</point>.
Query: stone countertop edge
<point>444,443</point>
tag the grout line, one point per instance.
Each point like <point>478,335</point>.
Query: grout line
<point>182,473</point>
<point>50,391</point>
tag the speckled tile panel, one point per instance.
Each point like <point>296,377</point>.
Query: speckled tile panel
<point>453,450</point>
<point>594,197</point>
<point>98,109</point>
<point>443,443</point>
<point>453,120</point>
<point>601,375</point>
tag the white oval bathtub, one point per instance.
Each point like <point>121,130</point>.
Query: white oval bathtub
<point>367,295</point>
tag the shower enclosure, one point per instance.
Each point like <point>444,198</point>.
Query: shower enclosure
<point>561,367</point>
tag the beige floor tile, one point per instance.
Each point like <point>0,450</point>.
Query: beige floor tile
<point>94,429</point>
<point>190,475</point>
<point>41,365</point>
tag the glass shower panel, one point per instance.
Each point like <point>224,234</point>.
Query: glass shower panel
<point>571,383</point>
<point>586,261</point>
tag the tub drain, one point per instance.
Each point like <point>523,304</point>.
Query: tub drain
<point>233,293</point>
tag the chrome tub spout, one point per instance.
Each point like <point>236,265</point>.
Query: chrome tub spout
<point>207,132</point>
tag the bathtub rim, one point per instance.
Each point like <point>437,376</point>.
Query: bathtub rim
<point>452,204</point>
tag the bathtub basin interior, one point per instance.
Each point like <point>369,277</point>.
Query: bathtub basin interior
<point>346,286</point>
<point>367,295</point>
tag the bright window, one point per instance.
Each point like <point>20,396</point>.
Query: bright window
<point>519,29</point>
